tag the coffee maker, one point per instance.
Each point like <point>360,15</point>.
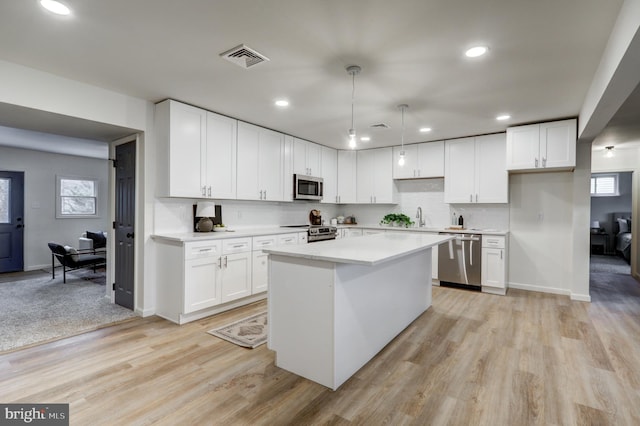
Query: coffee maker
<point>315,218</point>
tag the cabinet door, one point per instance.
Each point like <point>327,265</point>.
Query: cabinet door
<point>259,272</point>
<point>270,164</point>
<point>492,178</point>
<point>523,147</point>
<point>347,176</point>
<point>220,154</point>
<point>235,276</point>
<point>300,157</point>
<point>329,164</point>
<point>349,233</point>
<point>314,159</point>
<point>558,144</point>
<point>364,173</point>
<point>410,168</point>
<point>459,172</point>
<point>493,267</point>
<point>201,284</point>
<point>382,175</point>
<point>430,159</point>
<point>248,187</point>
<point>186,140</point>
<point>287,168</point>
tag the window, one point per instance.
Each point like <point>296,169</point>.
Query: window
<point>604,185</point>
<point>5,186</point>
<point>77,197</point>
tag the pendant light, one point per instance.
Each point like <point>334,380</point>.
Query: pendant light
<point>608,151</point>
<point>353,70</point>
<point>402,107</point>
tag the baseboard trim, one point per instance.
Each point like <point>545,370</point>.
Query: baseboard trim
<point>37,267</point>
<point>540,289</point>
<point>581,297</point>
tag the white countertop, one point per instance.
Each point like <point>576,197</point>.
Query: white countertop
<point>239,233</point>
<point>484,231</point>
<point>367,250</point>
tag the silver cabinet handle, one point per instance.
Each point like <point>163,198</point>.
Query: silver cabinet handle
<point>544,162</point>
<point>209,191</point>
<point>265,194</point>
<point>476,198</point>
<point>220,262</point>
<point>471,198</point>
<point>204,250</point>
<point>226,258</point>
<point>536,162</point>
<point>204,191</point>
<point>500,254</point>
<point>261,194</point>
<point>238,245</point>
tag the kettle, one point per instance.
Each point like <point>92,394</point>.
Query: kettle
<point>315,218</point>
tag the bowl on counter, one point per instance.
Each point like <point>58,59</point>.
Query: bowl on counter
<point>219,229</point>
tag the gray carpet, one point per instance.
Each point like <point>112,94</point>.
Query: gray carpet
<point>609,265</point>
<point>38,309</point>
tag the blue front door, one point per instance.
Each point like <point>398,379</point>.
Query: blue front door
<point>11,221</point>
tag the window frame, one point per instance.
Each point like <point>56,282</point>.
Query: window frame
<point>59,197</point>
<point>616,178</point>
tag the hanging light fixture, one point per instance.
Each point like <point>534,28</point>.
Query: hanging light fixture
<point>353,70</point>
<point>402,107</point>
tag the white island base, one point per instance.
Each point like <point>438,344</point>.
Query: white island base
<point>327,319</point>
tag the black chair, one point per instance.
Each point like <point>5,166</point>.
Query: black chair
<point>73,260</point>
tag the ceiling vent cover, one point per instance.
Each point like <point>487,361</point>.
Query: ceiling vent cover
<point>244,56</point>
<point>380,126</point>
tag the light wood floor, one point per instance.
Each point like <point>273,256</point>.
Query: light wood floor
<point>523,359</point>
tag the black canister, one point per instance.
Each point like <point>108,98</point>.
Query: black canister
<point>460,221</point>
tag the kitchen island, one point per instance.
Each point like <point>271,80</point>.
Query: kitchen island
<point>334,305</point>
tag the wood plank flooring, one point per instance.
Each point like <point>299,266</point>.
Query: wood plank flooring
<point>523,359</point>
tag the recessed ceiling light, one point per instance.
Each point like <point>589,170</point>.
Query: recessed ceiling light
<point>503,117</point>
<point>55,7</point>
<point>476,51</point>
<point>365,139</point>
<point>425,129</point>
<point>282,103</point>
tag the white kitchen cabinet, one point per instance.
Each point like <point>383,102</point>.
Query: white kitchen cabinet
<point>181,136</point>
<point>374,173</point>
<point>349,232</point>
<point>260,163</point>
<point>329,174</point>
<point>235,272</point>
<point>287,168</point>
<point>220,156</point>
<point>196,151</point>
<point>347,177</point>
<point>260,262</point>
<point>475,170</point>
<point>201,275</point>
<point>494,264</point>
<point>306,158</point>
<point>424,160</point>
<point>542,146</point>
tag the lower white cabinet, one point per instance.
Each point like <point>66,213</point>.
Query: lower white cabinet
<point>260,260</point>
<point>235,271</point>
<point>494,264</point>
<point>349,232</point>
<point>201,276</point>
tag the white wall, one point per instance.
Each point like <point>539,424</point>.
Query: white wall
<point>41,225</point>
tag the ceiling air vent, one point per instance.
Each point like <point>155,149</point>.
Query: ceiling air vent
<point>380,126</point>
<point>244,56</point>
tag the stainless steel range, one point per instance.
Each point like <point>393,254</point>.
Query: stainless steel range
<point>317,232</point>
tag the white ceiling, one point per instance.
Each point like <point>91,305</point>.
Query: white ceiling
<point>543,55</point>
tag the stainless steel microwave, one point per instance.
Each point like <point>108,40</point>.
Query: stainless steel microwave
<point>307,187</point>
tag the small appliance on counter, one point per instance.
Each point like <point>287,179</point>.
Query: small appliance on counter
<point>315,218</point>
<point>317,232</point>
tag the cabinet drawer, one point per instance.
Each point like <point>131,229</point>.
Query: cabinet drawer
<point>302,238</point>
<point>200,249</point>
<point>236,245</point>
<point>264,241</point>
<point>491,241</point>
<point>287,239</point>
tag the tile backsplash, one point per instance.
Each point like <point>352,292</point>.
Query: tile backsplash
<point>176,215</point>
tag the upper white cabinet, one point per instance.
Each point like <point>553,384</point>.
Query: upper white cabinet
<point>306,158</point>
<point>329,173</point>
<point>196,152</point>
<point>537,147</point>
<point>260,163</point>
<point>424,160</point>
<point>347,175</point>
<point>475,170</point>
<point>375,176</point>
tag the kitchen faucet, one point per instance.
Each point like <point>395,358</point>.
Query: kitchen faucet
<point>419,217</point>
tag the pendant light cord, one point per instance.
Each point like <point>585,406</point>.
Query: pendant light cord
<point>353,94</point>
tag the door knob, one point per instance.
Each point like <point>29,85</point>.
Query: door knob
<point>129,235</point>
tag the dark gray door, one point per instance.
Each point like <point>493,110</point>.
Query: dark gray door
<point>11,221</point>
<point>125,209</point>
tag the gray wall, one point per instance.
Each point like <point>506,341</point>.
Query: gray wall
<point>41,226</point>
<point>601,207</point>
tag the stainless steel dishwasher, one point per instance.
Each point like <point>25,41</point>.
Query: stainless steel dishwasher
<point>459,261</point>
